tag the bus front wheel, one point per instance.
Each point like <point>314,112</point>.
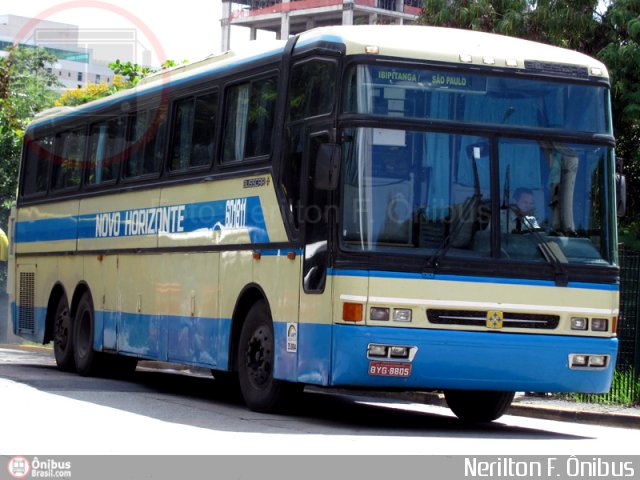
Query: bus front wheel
<point>63,336</point>
<point>256,353</point>
<point>83,332</point>
<point>476,406</point>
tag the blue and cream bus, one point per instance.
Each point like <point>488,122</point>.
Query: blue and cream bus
<point>340,209</point>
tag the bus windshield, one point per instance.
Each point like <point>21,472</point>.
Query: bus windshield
<point>476,98</point>
<point>407,191</point>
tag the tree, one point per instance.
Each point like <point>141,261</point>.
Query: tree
<point>26,88</point>
<point>93,91</point>
<point>135,72</point>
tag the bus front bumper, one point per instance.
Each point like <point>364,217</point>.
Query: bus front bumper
<point>445,359</point>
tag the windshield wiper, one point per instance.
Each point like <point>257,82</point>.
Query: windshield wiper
<point>550,251</point>
<point>468,212</point>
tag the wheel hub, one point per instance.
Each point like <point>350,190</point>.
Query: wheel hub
<point>259,354</point>
<point>61,330</point>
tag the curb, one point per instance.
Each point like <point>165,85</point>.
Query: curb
<point>610,419</point>
<point>544,412</point>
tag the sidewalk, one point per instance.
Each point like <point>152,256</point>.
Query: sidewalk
<point>543,407</point>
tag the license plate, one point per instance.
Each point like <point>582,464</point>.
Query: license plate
<point>389,369</point>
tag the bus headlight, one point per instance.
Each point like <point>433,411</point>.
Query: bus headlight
<point>401,315</point>
<point>599,324</point>
<point>579,323</point>
<point>379,314</point>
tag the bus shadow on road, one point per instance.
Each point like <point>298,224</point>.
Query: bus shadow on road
<point>319,411</point>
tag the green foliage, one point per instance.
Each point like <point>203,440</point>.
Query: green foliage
<point>134,72</point>
<point>26,88</point>
<point>92,91</point>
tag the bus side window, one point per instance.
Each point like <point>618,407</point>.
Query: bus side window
<point>106,148</point>
<point>68,163</point>
<point>39,156</point>
<point>182,131</point>
<point>249,113</point>
<point>194,132</point>
<point>204,129</point>
<point>312,94</point>
<point>145,143</point>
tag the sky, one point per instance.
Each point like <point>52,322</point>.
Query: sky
<point>178,30</point>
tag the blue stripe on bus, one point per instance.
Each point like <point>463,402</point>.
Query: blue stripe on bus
<point>194,217</point>
<point>462,278</point>
<point>47,230</point>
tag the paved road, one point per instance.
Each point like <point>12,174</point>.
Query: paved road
<point>47,411</point>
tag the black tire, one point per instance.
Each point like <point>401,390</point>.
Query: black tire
<point>477,406</point>
<point>256,353</point>
<point>86,358</point>
<point>63,336</point>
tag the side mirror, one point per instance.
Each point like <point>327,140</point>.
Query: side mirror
<point>621,194</point>
<point>621,189</point>
<point>327,166</point>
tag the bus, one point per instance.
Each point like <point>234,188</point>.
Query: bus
<point>340,209</point>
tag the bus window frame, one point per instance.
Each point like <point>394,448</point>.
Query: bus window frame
<point>170,132</point>
<point>304,124</point>
<point>148,105</point>
<point>110,184</point>
<point>54,192</point>
<point>250,78</point>
<point>23,172</point>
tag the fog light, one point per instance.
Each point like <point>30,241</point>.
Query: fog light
<point>399,352</point>
<point>579,360</point>
<point>378,350</point>
<point>379,314</point>
<point>579,323</point>
<point>401,315</point>
<point>599,324</point>
<point>597,360</point>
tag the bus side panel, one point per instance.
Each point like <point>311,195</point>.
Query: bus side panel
<point>47,228</point>
<point>187,293</point>
<point>318,314</point>
<point>236,272</point>
<point>42,229</point>
<point>279,277</point>
<point>141,328</point>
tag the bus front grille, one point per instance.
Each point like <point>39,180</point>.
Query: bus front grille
<point>477,318</point>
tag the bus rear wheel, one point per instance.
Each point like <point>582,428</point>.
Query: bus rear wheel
<point>256,353</point>
<point>477,406</point>
<point>63,336</point>
<point>83,332</point>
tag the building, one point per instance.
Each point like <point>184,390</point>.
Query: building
<point>83,54</point>
<point>289,17</point>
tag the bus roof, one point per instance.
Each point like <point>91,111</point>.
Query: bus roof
<point>414,42</point>
<point>447,45</point>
